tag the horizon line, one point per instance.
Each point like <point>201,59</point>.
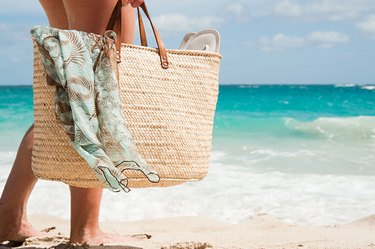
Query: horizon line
<point>248,84</point>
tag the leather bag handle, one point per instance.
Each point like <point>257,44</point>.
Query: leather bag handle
<point>116,22</point>
<point>142,31</point>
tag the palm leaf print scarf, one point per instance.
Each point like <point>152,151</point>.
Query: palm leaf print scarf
<point>83,68</point>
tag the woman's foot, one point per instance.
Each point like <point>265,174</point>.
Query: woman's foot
<point>14,225</point>
<point>98,237</point>
<point>16,232</point>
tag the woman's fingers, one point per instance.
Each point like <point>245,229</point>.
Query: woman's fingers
<point>135,3</point>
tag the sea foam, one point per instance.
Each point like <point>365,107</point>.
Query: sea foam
<point>232,194</point>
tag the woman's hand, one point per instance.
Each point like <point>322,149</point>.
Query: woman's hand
<point>135,3</point>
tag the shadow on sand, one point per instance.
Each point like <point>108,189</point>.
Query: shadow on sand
<point>63,246</point>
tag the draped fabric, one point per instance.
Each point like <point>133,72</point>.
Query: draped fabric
<point>83,68</point>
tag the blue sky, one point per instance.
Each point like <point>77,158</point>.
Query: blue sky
<point>263,41</point>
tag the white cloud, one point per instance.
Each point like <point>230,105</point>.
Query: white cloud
<point>332,10</point>
<point>326,39</point>
<point>281,42</point>
<point>175,23</point>
<point>210,7</point>
<point>288,8</point>
<point>368,26</point>
<point>239,10</point>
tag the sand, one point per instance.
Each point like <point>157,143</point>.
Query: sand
<point>262,231</point>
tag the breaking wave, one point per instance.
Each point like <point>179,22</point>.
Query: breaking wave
<point>361,127</point>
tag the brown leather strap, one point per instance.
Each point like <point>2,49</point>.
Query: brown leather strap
<point>115,25</point>
<point>116,22</point>
<point>162,51</point>
<point>142,31</point>
<point>114,16</point>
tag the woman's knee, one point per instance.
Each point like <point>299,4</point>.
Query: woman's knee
<point>28,139</point>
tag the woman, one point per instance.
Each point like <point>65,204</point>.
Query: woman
<point>89,16</point>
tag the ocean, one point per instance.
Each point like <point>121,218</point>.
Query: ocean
<point>302,153</point>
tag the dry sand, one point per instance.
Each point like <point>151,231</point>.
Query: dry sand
<point>261,231</point>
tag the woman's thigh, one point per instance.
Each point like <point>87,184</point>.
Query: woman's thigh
<point>93,16</point>
<point>56,13</point>
<point>88,15</point>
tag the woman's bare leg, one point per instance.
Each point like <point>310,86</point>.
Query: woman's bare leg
<point>84,218</point>
<point>21,181</point>
<point>92,16</point>
<point>85,207</point>
<point>85,203</point>
<point>13,219</point>
<point>128,31</point>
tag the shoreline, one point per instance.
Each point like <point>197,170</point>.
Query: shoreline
<point>262,231</point>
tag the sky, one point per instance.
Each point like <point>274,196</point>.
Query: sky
<point>263,41</point>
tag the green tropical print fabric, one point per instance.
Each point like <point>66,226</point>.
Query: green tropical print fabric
<point>83,68</point>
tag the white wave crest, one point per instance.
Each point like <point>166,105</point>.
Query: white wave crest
<point>370,88</point>
<point>345,85</point>
<point>361,127</point>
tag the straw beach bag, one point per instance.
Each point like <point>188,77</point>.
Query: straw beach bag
<point>169,98</point>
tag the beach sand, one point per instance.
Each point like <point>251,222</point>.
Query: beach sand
<point>262,231</point>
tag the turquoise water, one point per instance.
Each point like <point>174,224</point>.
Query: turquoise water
<point>16,115</point>
<point>325,129</point>
<point>245,110</point>
<point>303,153</point>
<point>264,127</point>
<point>260,110</point>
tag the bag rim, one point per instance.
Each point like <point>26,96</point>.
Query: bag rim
<point>175,51</point>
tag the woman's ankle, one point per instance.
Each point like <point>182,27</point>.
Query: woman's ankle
<point>98,237</point>
<point>15,215</point>
<point>84,234</point>
<point>14,224</point>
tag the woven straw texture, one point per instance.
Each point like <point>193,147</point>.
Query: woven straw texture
<point>168,112</point>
